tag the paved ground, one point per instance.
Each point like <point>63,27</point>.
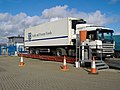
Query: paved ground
<point>113,62</point>
<point>46,75</point>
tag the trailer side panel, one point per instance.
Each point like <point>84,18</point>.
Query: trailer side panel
<point>48,34</point>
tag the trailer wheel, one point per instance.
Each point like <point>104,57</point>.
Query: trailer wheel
<point>37,51</point>
<point>60,52</point>
<point>31,51</point>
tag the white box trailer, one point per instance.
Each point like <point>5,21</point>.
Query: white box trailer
<point>54,33</point>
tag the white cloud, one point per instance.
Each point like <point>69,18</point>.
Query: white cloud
<point>12,25</point>
<point>58,11</point>
<point>63,11</point>
<point>96,18</point>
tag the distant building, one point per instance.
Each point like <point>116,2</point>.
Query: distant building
<point>15,44</point>
<point>15,39</point>
<point>3,49</point>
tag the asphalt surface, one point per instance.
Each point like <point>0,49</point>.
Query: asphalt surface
<point>113,62</point>
<point>46,75</point>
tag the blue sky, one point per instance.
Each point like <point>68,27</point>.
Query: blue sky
<point>16,15</point>
<point>35,7</point>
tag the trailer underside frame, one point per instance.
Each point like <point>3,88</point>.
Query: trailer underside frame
<point>48,58</point>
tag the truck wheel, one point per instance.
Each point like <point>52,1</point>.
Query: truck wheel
<point>117,54</point>
<point>37,51</point>
<point>60,52</point>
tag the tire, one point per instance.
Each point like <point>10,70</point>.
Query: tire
<point>60,52</point>
<point>71,52</point>
<point>117,54</point>
<point>37,51</point>
<point>31,51</point>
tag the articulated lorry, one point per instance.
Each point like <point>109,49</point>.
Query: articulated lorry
<point>60,38</point>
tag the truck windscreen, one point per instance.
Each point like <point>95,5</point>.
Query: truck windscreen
<point>105,35</point>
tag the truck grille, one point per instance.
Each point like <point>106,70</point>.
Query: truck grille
<point>108,48</point>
